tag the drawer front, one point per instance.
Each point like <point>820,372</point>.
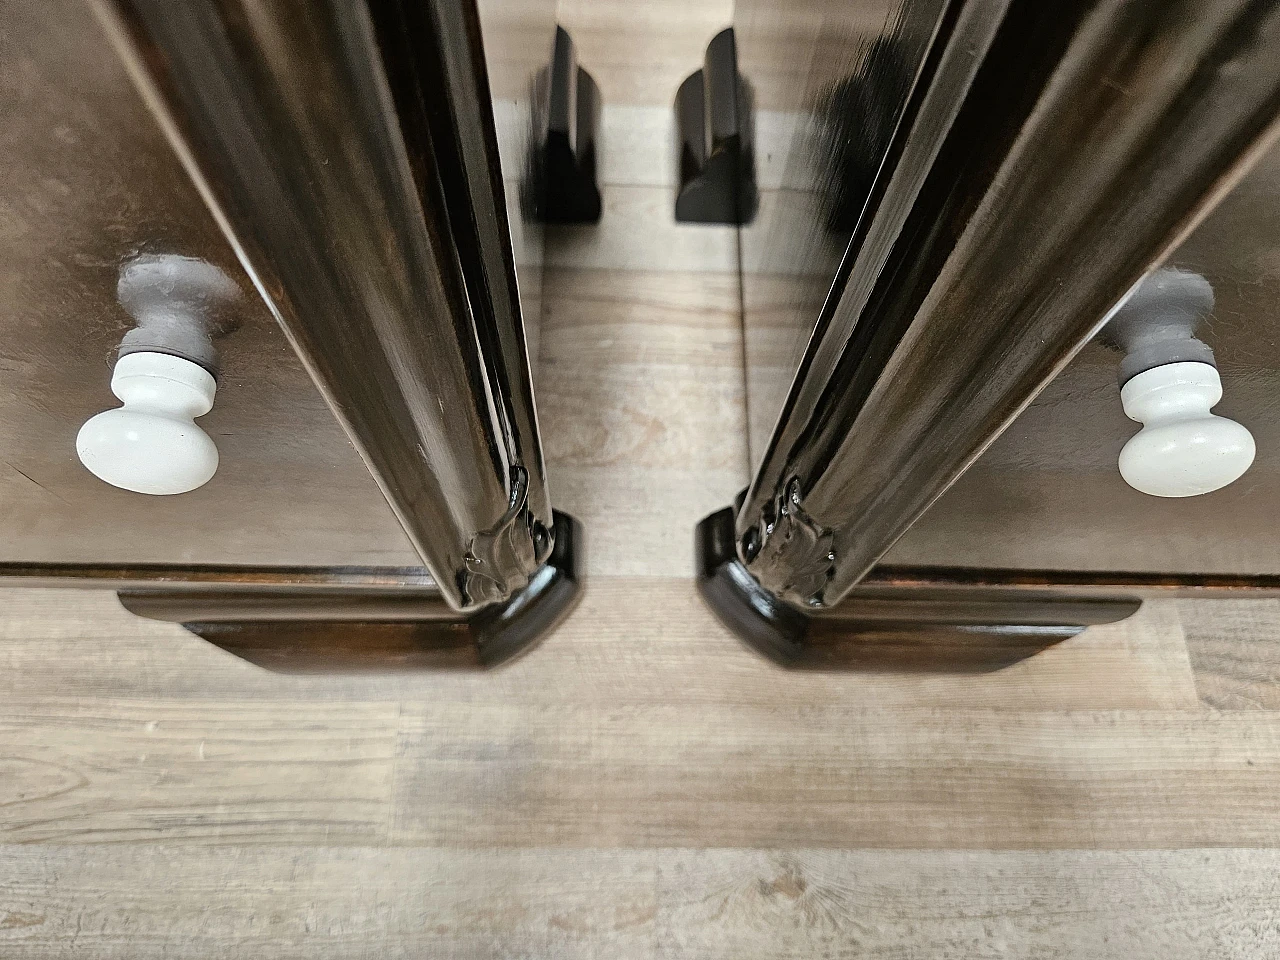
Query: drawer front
<point>90,184</point>
<point>1048,494</point>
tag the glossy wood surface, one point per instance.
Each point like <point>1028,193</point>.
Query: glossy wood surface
<point>351,156</point>
<point>1047,494</point>
<point>1019,199</point>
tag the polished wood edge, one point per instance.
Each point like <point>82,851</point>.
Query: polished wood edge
<point>931,618</point>
<point>163,577</point>
<point>284,620</point>
<point>267,606</point>
<point>417,581</point>
<point>348,647</point>
<point>1074,582</point>
<point>303,619</point>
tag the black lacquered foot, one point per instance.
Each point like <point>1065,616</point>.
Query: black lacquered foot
<point>565,188</point>
<point>714,124</point>
<point>523,620</point>
<point>755,615</point>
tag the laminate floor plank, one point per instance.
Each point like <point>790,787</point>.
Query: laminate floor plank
<point>777,775</point>
<point>630,416</point>
<point>177,902</point>
<point>626,536</point>
<point>127,771</point>
<point>947,905</point>
<point>639,146</point>
<point>638,231</point>
<point>641,394</point>
<point>1234,649</point>
<point>638,53</point>
<point>172,902</point>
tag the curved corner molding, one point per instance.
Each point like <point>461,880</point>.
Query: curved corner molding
<point>309,619</point>
<point>375,227</point>
<point>1049,156</point>
<point>922,620</point>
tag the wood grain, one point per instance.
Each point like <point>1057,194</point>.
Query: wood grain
<point>318,903</point>
<point>362,903</point>
<point>726,905</point>
<point>637,231</point>
<point>626,537</point>
<point>117,771</point>
<point>639,53</point>
<point>633,416</point>
<point>640,146</point>
<point>790,774</point>
<point>641,397</point>
<point>1234,649</point>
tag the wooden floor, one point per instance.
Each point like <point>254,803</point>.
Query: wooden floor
<point>640,786</point>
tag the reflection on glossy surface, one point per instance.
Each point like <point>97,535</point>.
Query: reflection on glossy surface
<point>88,184</point>
<point>716,143</point>
<point>829,80</point>
<point>1048,494</point>
<point>518,43</point>
<point>561,187</point>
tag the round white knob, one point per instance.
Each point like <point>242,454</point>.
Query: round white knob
<point>1183,450</point>
<point>151,444</point>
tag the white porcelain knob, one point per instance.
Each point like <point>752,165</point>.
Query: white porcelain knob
<point>152,444</point>
<point>1183,450</point>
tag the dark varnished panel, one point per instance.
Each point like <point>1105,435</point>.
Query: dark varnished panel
<point>927,620</point>
<point>88,181</point>
<point>309,619</point>
<point>1048,493</point>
